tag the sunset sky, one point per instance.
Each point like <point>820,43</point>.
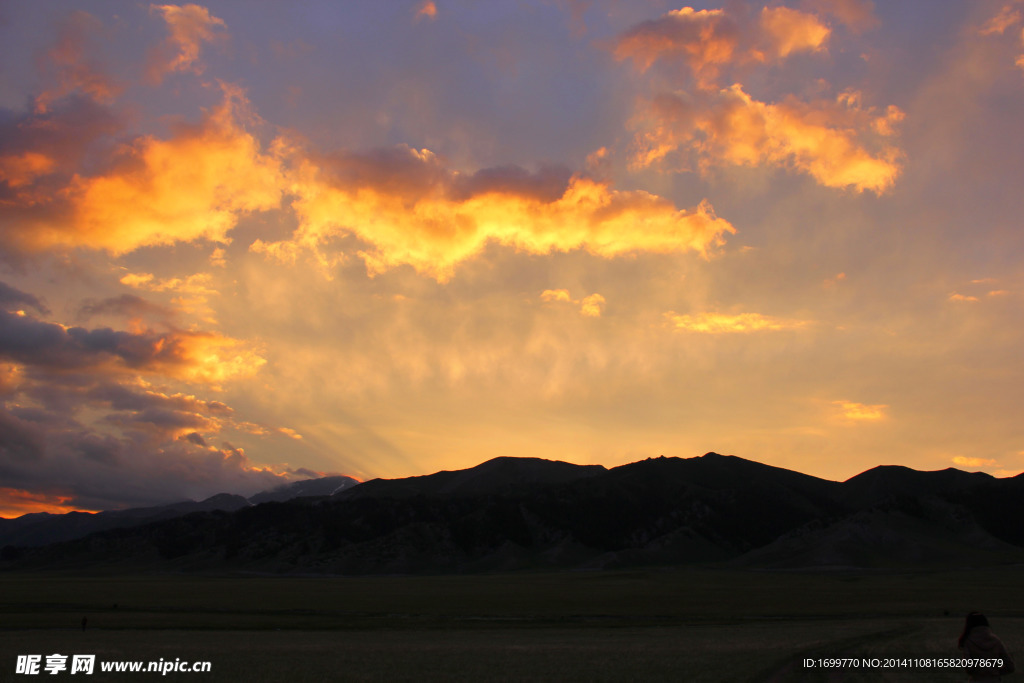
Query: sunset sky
<point>244,243</point>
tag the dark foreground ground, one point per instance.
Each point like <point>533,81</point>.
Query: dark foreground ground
<point>692,625</point>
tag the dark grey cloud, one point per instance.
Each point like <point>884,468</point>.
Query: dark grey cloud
<point>20,440</point>
<point>399,170</point>
<point>126,305</point>
<point>95,470</point>
<point>65,133</point>
<point>12,299</point>
<point>196,438</point>
<point>161,421</point>
<point>120,397</point>
<point>547,184</point>
<point>28,340</point>
<point>78,425</point>
<point>304,472</point>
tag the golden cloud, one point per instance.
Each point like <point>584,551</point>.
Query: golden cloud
<point>19,170</point>
<point>702,39</point>
<point>193,284</point>
<point>823,139</point>
<point>217,258</point>
<point>195,291</point>
<point>213,358</point>
<point>997,25</point>
<point>410,210</point>
<point>1008,16</point>
<point>190,26</point>
<point>75,70</point>
<point>192,186</point>
<point>428,10</point>
<point>861,411</point>
<point>708,40</point>
<point>556,295</point>
<point>592,306</point>
<point>291,433</point>
<point>39,151</point>
<point>787,31</point>
<point>10,377</point>
<point>963,461</point>
<point>723,323</point>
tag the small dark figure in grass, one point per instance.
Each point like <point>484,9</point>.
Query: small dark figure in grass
<point>85,622</point>
<point>978,642</point>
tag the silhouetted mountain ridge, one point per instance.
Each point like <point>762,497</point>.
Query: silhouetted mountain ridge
<point>528,513</point>
<point>42,528</point>
<point>888,481</point>
<point>495,476</point>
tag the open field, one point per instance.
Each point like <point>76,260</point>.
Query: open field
<point>644,625</point>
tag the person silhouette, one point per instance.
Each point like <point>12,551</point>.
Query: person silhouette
<point>978,642</point>
<point>85,622</point>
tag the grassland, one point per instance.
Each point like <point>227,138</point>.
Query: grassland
<point>699,625</point>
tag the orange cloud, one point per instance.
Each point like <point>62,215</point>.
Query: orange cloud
<point>19,170</point>
<point>194,290</point>
<point>592,306</point>
<point>833,281</point>
<point>556,295</point>
<point>997,25</point>
<point>10,378</point>
<point>787,31</point>
<point>291,433</point>
<point>973,462</point>
<point>823,139</point>
<point>840,143</point>
<point>708,40</point>
<point>723,323</point>
<point>212,358</point>
<point>408,209</point>
<point>16,502</point>
<point>217,258</point>
<point>193,284</point>
<point>75,69</point>
<point>703,39</point>
<point>190,26</point>
<point>192,186</point>
<point>963,298</point>
<point>39,152</point>
<point>428,10</point>
<point>1008,16</point>
<point>860,411</point>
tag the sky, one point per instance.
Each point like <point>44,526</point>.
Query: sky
<point>243,244</point>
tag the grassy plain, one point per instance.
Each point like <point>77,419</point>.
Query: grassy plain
<point>692,625</point>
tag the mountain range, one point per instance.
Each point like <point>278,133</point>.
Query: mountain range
<point>526,513</point>
<point>42,528</point>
